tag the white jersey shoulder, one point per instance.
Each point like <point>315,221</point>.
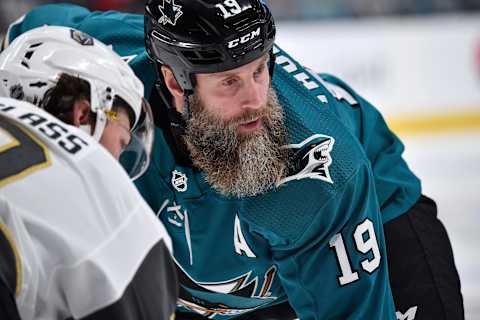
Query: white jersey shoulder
<point>76,219</point>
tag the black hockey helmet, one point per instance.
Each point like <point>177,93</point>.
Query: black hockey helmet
<point>207,36</point>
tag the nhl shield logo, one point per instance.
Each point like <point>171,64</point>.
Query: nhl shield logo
<point>16,92</point>
<point>179,181</point>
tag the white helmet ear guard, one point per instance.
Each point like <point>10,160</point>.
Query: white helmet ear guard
<point>33,62</point>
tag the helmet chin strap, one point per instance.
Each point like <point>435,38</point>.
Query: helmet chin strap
<point>271,62</point>
<point>101,99</point>
<point>186,105</point>
<point>99,125</point>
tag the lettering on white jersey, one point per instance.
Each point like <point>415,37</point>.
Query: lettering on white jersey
<point>409,315</point>
<point>49,127</point>
<point>311,159</point>
<point>179,181</point>
<point>241,246</point>
<point>170,12</point>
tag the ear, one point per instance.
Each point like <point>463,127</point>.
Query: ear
<point>173,87</point>
<point>171,82</point>
<point>81,112</point>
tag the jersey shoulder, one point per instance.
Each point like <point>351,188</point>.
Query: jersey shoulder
<point>9,273</point>
<point>51,14</point>
<point>74,16</point>
<point>316,135</point>
<point>324,156</point>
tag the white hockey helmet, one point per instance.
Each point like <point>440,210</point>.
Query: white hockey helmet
<point>33,62</point>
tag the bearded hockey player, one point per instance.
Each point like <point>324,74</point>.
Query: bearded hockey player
<point>77,239</point>
<point>273,183</point>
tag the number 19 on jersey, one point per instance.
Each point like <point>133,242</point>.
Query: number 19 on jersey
<point>366,243</point>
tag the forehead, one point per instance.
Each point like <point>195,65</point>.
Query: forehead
<point>245,68</point>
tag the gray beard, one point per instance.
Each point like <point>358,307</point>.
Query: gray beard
<point>238,165</point>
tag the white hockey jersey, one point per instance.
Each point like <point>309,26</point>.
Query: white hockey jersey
<point>76,223</point>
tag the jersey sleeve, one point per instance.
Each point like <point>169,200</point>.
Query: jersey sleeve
<point>10,274</point>
<point>150,294</point>
<point>398,188</point>
<point>329,250</point>
<point>59,15</point>
<point>119,265</point>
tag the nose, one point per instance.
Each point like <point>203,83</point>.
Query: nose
<point>253,95</point>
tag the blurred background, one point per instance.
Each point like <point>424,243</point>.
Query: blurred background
<point>418,61</point>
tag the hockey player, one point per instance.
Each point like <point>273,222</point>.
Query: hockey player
<point>77,239</point>
<point>315,240</point>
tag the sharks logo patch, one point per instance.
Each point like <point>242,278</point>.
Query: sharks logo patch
<point>170,12</point>
<point>226,298</point>
<point>311,159</point>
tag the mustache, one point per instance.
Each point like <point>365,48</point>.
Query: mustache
<point>249,116</point>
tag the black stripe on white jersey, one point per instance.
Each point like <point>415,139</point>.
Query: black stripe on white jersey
<point>8,280</point>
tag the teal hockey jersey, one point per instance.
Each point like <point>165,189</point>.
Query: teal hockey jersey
<point>397,187</point>
<point>317,240</point>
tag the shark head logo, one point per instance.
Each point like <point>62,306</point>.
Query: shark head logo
<point>231,297</point>
<point>311,159</point>
<point>170,12</point>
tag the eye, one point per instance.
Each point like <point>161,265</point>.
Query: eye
<point>259,71</point>
<point>229,82</point>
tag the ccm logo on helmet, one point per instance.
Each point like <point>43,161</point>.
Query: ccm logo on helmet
<point>244,39</point>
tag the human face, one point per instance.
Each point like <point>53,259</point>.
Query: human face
<point>116,134</point>
<point>237,95</point>
<point>237,163</point>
